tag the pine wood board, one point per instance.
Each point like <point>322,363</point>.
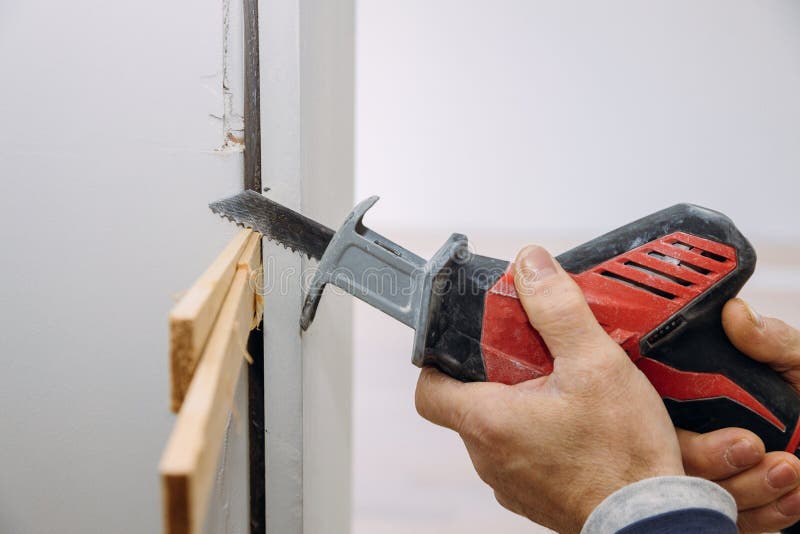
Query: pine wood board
<point>193,316</point>
<point>188,465</point>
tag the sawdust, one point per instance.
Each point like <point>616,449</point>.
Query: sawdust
<point>245,353</point>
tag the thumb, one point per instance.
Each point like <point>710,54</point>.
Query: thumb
<point>556,307</point>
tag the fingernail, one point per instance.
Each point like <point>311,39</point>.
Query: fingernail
<point>742,454</point>
<point>781,475</point>
<point>535,263</point>
<point>753,315</point>
<point>789,505</point>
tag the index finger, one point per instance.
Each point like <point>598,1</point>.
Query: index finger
<point>762,338</point>
<point>445,401</point>
<point>719,454</point>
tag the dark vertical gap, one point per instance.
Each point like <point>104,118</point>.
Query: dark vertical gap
<point>255,399</point>
<point>255,343</point>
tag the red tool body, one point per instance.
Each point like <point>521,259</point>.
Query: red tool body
<point>627,311</point>
<point>657,286</point>
<point>513,351</point>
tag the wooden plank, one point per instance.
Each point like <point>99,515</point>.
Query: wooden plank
<point>251,260</point>
<point>188,465</point>
<point>191,319</point>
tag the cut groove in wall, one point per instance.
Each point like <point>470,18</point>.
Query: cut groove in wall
<point>232,122</point>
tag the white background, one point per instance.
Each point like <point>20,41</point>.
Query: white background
<point>578,116</point>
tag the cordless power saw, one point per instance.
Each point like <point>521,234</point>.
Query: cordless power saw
<point>656,285</point>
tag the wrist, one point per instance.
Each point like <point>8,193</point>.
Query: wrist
<point>655,496</point>
<point>625,478</point>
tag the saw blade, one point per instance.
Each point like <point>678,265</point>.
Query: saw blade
<point>275,222</point>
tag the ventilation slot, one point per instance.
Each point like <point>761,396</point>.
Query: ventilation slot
<point>676,261</point>
<point>664,276</point>
<point>638,285</point>
<point>705,253</point>
<point>715,257</point>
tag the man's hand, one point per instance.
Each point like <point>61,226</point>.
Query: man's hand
<point>766,486</point>
<point>553,448</point>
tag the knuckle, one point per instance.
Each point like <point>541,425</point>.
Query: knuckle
<point>602,374</point>
<point>486,471</point>
<point>566,313</point>
<point>783,456</point>
<point>566,323</point>
<point>486,466</point>
<point>610,365</point>
<point>484,426</point>
<point>614,360</point>
<point>564,298</point>
<point>787,337</point>
<point>478,425</point>
<point>506,502</point>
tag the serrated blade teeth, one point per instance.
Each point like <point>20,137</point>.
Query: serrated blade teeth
<point>243,224</point>
<point>217,207</point>
<point>275,222</point>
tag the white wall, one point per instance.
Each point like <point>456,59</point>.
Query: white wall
<point>575,117</point>
<point>107,162</point>
<point>307,57</point>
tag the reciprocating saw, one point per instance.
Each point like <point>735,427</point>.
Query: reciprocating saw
<point>656,285</point>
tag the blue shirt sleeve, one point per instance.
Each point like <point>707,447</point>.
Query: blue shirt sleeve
<point>665,505</point>
<point>688,520</point>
